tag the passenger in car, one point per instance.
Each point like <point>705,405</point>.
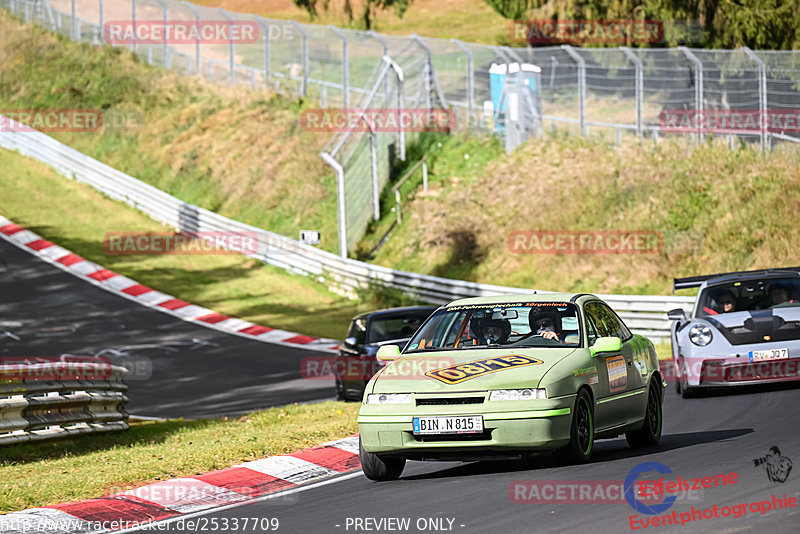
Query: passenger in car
<point>545,325</point>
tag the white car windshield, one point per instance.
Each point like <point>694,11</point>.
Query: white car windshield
<point>749,295</point>
<point>532,324</point>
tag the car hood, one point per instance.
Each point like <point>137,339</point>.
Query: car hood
<point>756,326</point>
<point>407,374</point>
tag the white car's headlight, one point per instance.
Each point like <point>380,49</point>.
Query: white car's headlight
<point>389,398</point>
<point>517,394</point>
<point>700,335</point>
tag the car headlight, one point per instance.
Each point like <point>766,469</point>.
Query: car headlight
<point>517,394</point>
<point>389,398</point>
<point>700,335</point>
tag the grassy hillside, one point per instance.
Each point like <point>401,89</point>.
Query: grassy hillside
<point>233,150</point>
<point>717,210</point>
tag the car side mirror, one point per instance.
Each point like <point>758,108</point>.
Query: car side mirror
<point>606,344</point>
<point>678,314</point>
<point>388,353</point>
<point>350,342</point>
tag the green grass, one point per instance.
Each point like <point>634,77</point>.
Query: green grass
<point>77,217</point>
<point>718,210</point>
<point>104,464</point>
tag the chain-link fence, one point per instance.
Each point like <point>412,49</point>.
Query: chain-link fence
<point>745,94</point>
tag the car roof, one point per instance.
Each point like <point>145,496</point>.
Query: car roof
<point>767,273</point>
<point>396,311</point>
<point>523,297</point>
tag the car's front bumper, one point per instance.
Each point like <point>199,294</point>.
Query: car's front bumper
<point>735,372</point>
<point>528,430</point>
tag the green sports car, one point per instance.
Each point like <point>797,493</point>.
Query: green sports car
<point>500,377</point>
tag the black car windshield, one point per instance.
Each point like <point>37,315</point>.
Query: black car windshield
<point>388,327</point>
<point>749,295</point>
<point>532,324</point>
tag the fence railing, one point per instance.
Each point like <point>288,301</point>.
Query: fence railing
<point>41,401</point>
<point>644,314</point>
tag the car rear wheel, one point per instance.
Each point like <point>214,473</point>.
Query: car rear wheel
<point>581,434</point>
<point>650,433</point>
<point>379,468</point>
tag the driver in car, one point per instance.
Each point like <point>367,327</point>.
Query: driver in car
<point>778,294</point>
<point>545,325</point>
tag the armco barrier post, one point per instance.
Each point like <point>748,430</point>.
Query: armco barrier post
<point>267,67</point>
<point>304,56</point>
<point>385,46</point>
<point>193,9</point>
<point>231,51</point>
<point>428,69</point>
<point>133,23</point>
<point>165,58</point>
<point>74,20</point>
<point>637,63</point>
<point>340,194</point>
<point>470,78</point>
<point>401,136</point>
<point>762,94</point>
<point>698,90</point>
<point>102,35</point>
<point>345,66</point>
<point>373,157</point>
<point>581,86</point>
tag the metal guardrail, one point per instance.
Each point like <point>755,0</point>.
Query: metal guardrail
<point>644,314</point>
<point>43,401</point>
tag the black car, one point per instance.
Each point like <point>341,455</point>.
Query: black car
<point>356,362</point>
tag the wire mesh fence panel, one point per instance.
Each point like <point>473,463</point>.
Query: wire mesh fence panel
<point>782,90</point>
<point>669,83</point>
<point>560,82</point>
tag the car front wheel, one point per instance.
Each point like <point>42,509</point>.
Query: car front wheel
<point>581,434</point>
<point>340,393</point>
<point>378,468</point>
<point>650,433</point>
<point>686,391</point>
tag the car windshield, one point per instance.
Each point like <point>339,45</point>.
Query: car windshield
<point>749,295</point>
<point>532,324</point>
<point>385,328</point>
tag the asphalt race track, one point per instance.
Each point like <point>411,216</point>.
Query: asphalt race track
<point>702,437</point>
<point>177,369</point>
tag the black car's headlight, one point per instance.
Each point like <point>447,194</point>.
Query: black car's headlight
<point>700,335</point>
